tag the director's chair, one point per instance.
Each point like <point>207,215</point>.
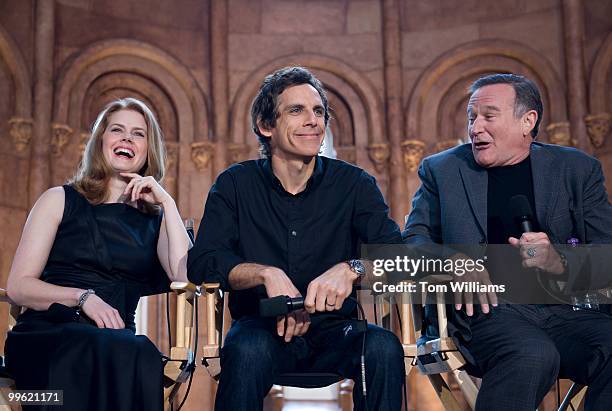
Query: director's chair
<point>217,325</point>
<point>181,361</point>
<point>439,356</point>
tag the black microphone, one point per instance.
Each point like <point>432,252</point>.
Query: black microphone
<point>281,305</point>
<point>521,211</point>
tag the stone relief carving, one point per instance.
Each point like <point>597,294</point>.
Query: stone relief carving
<point>379,154</point>
<point>83,139</point>
<point>446,144</point>
<point>237,152</point>
<point>559,133</point>
<point>60,135</point>
<point>201,154</point>
<point>172,153</point>
<point>347,153</point>
<point>598,128</point>
<point>412,154</point>
<point>20,130</point>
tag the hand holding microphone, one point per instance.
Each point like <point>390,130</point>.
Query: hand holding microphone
<point>289,323</point>
<point>280,305</point>
<point>535,247</point>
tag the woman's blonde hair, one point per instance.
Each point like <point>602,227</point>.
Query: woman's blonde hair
<point>94,173</point>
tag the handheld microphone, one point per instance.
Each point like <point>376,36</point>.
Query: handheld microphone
<point>521,211</point>
<point>280,305</point>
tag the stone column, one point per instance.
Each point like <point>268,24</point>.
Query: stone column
<point>573,33</point>
<point>44,41</point>
<point>219,81</point>
<point>393,106</point>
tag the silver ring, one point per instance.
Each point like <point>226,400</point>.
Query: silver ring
<point>531,252</point>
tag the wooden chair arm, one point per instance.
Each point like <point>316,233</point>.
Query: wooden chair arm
<point>214,329</point>
<point>14,309</point>
<point>186,293</point>
<point>211,290</point>
<point>5,298</point>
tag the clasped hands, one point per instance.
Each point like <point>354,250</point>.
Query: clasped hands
<point>327,292</point>
<point>536,251</point>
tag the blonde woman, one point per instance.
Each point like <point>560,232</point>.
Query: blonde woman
<point>88,251</point>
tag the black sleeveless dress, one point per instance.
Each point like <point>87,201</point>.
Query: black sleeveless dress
<point>111,248</point>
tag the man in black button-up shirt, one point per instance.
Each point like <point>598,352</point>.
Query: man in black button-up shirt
<point>287,225</point>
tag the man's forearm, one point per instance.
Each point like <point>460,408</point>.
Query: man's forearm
<point>247,275</point>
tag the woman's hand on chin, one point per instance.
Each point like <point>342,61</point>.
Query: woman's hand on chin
<point>146,189</point>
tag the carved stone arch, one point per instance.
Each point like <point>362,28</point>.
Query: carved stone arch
<point>450,124</point>
<point>113,85</point>
<point>16,125</point>
<point>599,120</point>
<point>104,89</point>
<point>445,82</point>
<point>600,94</point>
<point>140,58</point>
<point>15,63</point>
<point>175,84</point>
<point>356,90</point>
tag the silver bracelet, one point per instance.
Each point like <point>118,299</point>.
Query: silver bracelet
<point>84,298</point>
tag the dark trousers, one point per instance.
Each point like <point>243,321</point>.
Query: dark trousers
<point>254,355</point>
<point>520,350</point>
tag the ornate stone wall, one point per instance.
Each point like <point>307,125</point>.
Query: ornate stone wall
<point>397,72</point>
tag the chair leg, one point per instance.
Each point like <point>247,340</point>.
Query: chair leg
<point>467,387</point>
<point>574,396</point>
<point>345,395</point>
<point>7,386</point>
<point>444,393</point>
<point>274,400</point>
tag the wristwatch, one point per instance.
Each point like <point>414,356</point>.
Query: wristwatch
<point>357,267</point>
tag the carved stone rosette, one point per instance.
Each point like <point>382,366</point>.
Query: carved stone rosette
<point>446,144</point>
<point>559,133</point>
<point>598,127</point>
<point>60,135</point>
<point>379,154</point>
<point>201,154</point>
<point>20,130</point>
<point>347,153</point>
<point>412,154</point>
<point>237,152</point>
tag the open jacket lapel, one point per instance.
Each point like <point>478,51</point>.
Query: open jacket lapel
<point>475,183</point>
<point>546,179</point>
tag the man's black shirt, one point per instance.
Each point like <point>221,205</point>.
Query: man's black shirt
<point>250,218</point>
<point>505,263</point>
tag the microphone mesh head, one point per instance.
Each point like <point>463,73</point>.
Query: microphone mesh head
<point>521,209</point>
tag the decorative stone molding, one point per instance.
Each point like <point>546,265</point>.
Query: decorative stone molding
<point>379,154</point>
<point>201,154</point>
<point>237,152</point>
<point>559,133</point>
<point>412,154</point>
<point>347,153</point>
<point>60,134</point>
<point>598,127</point>
<point>83,139</point>
<point>446,144</point>
<point>20,130</point>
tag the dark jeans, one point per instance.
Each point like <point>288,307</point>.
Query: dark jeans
<point>254,355</point>
<point>520,351</point>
